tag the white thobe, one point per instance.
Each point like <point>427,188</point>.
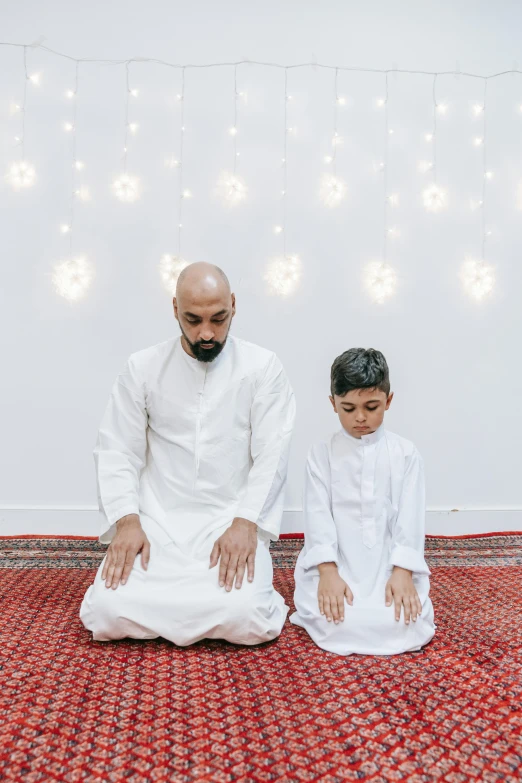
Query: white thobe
<point>189,446</point>
<point>364,511</point>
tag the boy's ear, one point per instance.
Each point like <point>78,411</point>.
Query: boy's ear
<point>333,403</point>
<point>389,401</point>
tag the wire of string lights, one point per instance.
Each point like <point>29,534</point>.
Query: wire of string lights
<point>284,271</point>
<point>172,265</point>
<point>478,276</point>
<point>379,277</point>
<point>71,278</point>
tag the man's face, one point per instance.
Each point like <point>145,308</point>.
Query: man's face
<point>361,411</point>
<point>205,323</point>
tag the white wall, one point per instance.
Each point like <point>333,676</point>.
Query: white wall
<point>455,365</point>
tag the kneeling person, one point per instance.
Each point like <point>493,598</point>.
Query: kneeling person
<point>191,464</point>
<point>362,583</point>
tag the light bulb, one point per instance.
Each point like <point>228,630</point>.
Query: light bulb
<point>231,188</point>
<point>478,278</point>
<point>380,102</point>
<point>442,108</point>
<point>478,108</point>
<point>70,94</point>
<point>172,163</point>
<point>134,93</point>
<point>170,269</point>
<point>126,188</point>
<point>133,127</point>
<point>64,228</point>
<point>186,194</point>
<point>434,198</point>
<point>341,100</point>
<point>21,175</point>
<point>72,278</point>
<point>328,158</point>
<point>68,126</point>
<point>333,190</point>
<point>82,193</point>
<point>278,229</point>
<point>35,78</point>
<point>478,141</point>
<point>233,131</point>
<point>79,165</point>
<point>429,136</point>
<point>424,166</point>
<point>283,275</point>
<point>380,281</point>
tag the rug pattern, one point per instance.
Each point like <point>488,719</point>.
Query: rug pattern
<point>88,553</point>
<point>73,710</point>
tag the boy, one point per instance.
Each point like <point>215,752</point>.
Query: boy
<point>362,565</point>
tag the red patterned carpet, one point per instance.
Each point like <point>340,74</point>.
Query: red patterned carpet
<point>76,710</point>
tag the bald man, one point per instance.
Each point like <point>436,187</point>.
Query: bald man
<point>191,463</point>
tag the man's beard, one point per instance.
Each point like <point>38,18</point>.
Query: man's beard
<point>205,354</point>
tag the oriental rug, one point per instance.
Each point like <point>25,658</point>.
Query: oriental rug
<point>74,710</point>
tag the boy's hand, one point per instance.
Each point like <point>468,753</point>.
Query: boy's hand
<point>400,588</point>
<point>331,593</point>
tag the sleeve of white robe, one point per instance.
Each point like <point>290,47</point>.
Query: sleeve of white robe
<point>272,419</point>
<point>120,450</point>
<point>408,530</point>
<point>320,531</point>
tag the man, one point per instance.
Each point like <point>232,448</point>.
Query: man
<point>191,463</point>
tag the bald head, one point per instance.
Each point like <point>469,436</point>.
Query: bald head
<point>204,307</point>
<point>202,280</point>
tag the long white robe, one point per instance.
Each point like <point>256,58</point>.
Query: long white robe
<point>364,511</point>
<point>188,446</point>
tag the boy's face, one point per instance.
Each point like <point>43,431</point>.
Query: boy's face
<point>361,411</point>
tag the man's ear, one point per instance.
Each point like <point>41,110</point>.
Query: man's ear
<point>333,403</point>
<point>233,305</point>
<point>389,401</point>
<point>175,305</point>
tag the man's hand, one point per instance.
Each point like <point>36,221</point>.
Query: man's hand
<point>128,540</point>
<point>400,588</point>
<point>237,550</point>
<point>331,593</point>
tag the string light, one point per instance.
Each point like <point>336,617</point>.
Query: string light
<point>379,277</point>
<point>434,197</point>
<point>333,188</point>
<point>22,174</point>
<point>284,271</point>
<point>71,278</point>
<point>230,187</point>
<point>477,276</point>
<point>171,266</point>
<point>127,187</point>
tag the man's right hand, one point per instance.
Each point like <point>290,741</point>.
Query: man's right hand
<point>128,540</point>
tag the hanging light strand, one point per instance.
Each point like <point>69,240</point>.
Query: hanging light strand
<point>24,102</point>
<point>74,167</point>
<point>234,127</point>
<point>335,139</point>
<point>484,172</point>
<point>180,178</point>
<point>385,172</point>
<point>434,142</point>
<point>285,170</point>
<point>127,94</point>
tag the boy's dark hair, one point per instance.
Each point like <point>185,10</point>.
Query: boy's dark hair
<point>359,368</point>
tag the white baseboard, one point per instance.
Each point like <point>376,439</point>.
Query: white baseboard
<point>85,521</point>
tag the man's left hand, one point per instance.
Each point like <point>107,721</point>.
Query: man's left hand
<point>236,550</point>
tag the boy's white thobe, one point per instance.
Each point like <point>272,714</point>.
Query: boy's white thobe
<point>189,446</point>
<point>364,511</point>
